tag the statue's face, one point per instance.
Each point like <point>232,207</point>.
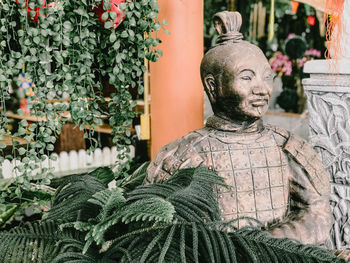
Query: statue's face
<point>247,84</point>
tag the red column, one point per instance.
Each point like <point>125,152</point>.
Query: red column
<point>176,89</point>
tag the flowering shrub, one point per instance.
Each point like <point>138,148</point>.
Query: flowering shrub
<point>284,66</point>
<point>310,54</point>
<point>281,64</point>
<point>290,70</point>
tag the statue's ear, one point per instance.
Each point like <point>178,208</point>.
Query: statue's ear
<point>210,87</point>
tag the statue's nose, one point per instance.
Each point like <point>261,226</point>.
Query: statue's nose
<point>261,88</point>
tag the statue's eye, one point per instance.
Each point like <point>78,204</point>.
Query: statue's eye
<point>246,78</point>
<point>270,76</point>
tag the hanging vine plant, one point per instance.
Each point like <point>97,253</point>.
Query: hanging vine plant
<point>68,49</point>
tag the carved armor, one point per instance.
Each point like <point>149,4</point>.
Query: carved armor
<point>273,176</point>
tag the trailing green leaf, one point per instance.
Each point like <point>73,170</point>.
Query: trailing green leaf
<point>71,57</point>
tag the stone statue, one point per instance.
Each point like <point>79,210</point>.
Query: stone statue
<point>274,176</point>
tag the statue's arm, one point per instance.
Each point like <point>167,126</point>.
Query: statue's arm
<point>309,218</point>
<point>161,167</point>
<point>155,171</point>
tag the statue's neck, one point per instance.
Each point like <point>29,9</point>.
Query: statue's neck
<point>219,122</point>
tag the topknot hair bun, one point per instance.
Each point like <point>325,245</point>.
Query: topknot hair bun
<point>228,24</point>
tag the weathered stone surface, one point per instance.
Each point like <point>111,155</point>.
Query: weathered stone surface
<point>321,69</point>
<point>329,107</point>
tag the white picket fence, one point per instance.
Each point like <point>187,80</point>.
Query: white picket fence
<point>70,162</point>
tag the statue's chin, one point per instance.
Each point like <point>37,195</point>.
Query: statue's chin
<point>248,112</point>
<point>256,112</point>
<point>239,117</point>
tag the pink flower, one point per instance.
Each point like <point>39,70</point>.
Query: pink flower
<point>281,63</point>
<point>312,52</point>
<point>288,68</point>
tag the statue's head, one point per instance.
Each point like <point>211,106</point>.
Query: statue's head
<point>236,74</point>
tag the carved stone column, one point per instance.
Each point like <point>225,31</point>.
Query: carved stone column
<point>329,107</point>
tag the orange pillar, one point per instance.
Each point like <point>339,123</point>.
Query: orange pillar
<point>176,89</point>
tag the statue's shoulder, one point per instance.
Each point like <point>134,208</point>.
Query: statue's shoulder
<point>181,146</point>
<point>309,160</point>
<point>280,135</point>
<point>176,155</point>
<point>303,153</point>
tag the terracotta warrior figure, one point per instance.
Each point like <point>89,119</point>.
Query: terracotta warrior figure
<point>274,176</point>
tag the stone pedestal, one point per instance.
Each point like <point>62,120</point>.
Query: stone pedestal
<point>329,107</point>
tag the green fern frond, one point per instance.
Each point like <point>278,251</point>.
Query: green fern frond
<point>198,242</point>
<point>159,190</point>
<point>74,253</point>
<point>155,223</point>
<point>285,246</point>
<point>108,200</point>
<point>71,199</point>
<point>103,174</point>
<point>35,242</point>
<point>182,244</point>
<point>189,191</point>
<point>151,209</point>
<point>167,243</point>
<point>78,225</point>
<point>135,179</point>
<point>206,243</point>
<point>199,175</point>
<point>195,241</point>
<point>151,245</point>
<point>197,195</point>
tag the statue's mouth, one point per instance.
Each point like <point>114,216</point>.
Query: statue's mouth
<point>259,102</point>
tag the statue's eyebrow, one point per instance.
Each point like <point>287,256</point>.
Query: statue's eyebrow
<point>246,69</point>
